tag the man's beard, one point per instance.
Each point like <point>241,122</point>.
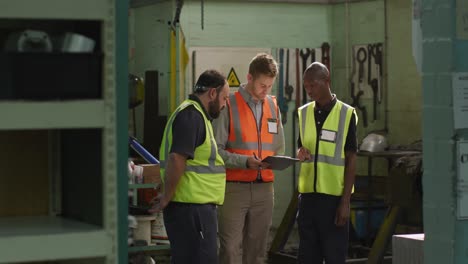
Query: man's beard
<point>213,108</point>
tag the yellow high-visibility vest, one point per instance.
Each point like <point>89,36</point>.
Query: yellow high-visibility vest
<point>204,179</point>
<point>324,173</point>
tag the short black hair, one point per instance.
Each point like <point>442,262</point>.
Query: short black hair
<point>209,79</point>
<point>317,71</point>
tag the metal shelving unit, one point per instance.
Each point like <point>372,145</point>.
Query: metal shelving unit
<point>73,237</point>
<point>35,238</point>
<point>151,249</point>
<point>53,9</point>
<point>47,115</point>
<point>142,186</point>
<point>137,186</point>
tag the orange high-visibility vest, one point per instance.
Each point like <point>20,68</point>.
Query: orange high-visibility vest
<point>244,137</point>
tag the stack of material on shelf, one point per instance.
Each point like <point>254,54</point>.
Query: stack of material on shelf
<point>132,225</point>
<point>150,175</point>
<point>143,230</point>
<point>158,230</point>
<point>140,259</point>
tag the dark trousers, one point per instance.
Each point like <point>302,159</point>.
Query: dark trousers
<point>319,238</point>
<point>191,229</point>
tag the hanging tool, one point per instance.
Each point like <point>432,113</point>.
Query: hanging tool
<point>375,51</point>
<point>283,106</point>
<point>304,55</point>
<point>288,87</point>
<point>202,22</point>
<point>298,81</point>
<point>179,5</point>
<point>371,53</point>
<point>326,55</point>
<point>358,105</point>
<point>312,60</point>
<point>361,58</point>
<point>378,61</point>
<point>373,82</point>
<point>356,97</point>
<point>295,117</point>
<point>194,61</point>
<point>378,56</point>
<point>375,91</point>
<point>312,55</point>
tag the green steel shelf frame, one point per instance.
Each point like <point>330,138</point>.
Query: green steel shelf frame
<point>142,186</point>
<point>153,250</point>
<point>135,187</point>
<point>110,114</point>
<point>121,62</point>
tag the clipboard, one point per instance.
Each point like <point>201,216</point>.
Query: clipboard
<point>279,162</point>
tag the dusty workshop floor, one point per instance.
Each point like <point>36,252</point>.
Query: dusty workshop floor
<point>291,246</point>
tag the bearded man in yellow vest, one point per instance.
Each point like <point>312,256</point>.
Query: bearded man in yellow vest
<point>327,146</point>
<point>193,173</point>
<point>247,131</point>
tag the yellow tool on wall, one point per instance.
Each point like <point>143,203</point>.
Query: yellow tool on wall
<point>178,63</point>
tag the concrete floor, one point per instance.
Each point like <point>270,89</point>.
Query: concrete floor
<point>291,246</point>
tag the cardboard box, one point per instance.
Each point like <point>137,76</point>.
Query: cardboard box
<point>151,173</point>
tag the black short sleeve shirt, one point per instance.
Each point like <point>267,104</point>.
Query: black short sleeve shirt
<point>188,130</point>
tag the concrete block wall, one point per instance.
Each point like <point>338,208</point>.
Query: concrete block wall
<point>404,82</point>
<point>443,54</point>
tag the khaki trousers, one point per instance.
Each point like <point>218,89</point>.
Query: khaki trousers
<point>244,222</point>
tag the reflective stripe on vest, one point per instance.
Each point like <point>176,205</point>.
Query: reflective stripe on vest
<point>204,176</point>
<point>243,139</point>
<point>330,157</point>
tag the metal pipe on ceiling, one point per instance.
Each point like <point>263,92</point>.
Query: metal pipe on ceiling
<point>140,3</point>
<point>324,2</point>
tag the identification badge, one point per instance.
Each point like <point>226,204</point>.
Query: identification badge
<point>328,135</point>
<point>272,126</point>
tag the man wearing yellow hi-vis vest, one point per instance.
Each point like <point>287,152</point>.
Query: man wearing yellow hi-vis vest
<point>193,173</point>
<point>327,148</point>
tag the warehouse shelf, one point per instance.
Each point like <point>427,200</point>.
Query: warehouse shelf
<point>38,238</point>
<point>51,114</point>
<point>136,186</point>
<point>70,131</point>
<point>152,249</point>
<point>143,186</point>
<point>49,9</point>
